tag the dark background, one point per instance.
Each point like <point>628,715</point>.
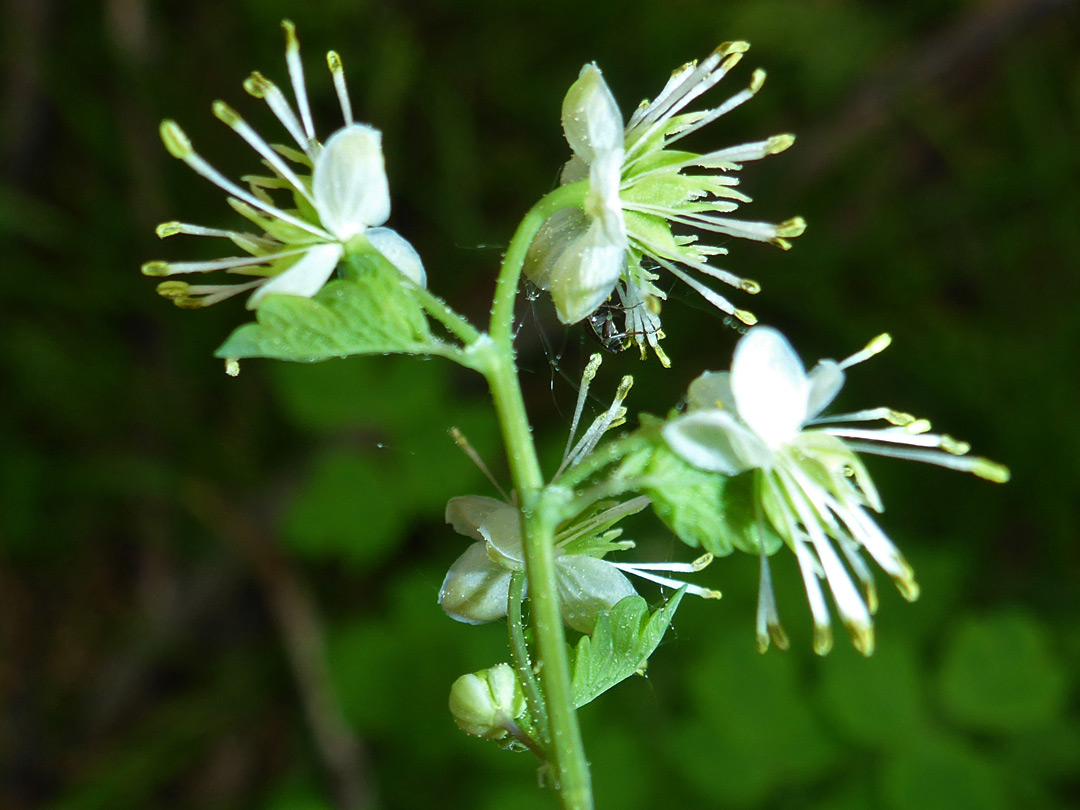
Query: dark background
<point>220,593</point>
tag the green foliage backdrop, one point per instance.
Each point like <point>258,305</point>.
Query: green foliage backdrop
<point>220,593</point>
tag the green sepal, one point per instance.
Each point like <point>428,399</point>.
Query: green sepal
<point>371,312</point>
<point>704,509</point>
<point>620,645</point>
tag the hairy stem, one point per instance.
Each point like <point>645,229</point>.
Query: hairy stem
<point>520,652</point>
<point>572,781</point>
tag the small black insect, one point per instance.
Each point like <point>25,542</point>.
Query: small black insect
<point>601,325</point>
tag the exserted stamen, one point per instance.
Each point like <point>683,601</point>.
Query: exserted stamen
<point>612,417</point>
<point>337,71</point>
<point>237,124</point>
<point>296,76</point>
<point>875,346</point>
<point>179,146</point>
<point>587,377</point>
<point>259,86</point>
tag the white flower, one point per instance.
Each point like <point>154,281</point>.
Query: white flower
<point>810,484</point>
<point>477,586</point>
<point>339,198</point>
<point>638,189</point>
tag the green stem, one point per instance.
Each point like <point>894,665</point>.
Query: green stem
<point>502,311</point>
<point>520,652</point>
<point>496,361</point>
<point>439,310</point>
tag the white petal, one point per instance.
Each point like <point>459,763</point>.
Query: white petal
<point>826,380</point>
<point>475,589</point>
<point>349,182</point>
<point>585,274</point>
<point>715,441</point>
<point>467,512</point>
<point>502,531</point>
<point>591,118</point>
<point>770,385</point>
<point>558,232</point>
<point>602,202</point>
<point>399,252</point>
<point>711,390</point>
<point>574,170</point>
<point>306,277</point>
<point>588,586</point>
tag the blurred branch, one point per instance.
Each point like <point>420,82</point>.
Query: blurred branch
<point>982,30</point>
<point>299,625</point>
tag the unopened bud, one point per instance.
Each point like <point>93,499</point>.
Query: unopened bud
<point>486,703</point>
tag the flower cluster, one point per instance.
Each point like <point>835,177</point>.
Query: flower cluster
<point>339,198</point>
<point>639,187</point>
<point>765,416</point>
<point>477,586</point>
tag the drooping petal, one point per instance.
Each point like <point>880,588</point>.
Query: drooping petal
<point>714,440</point>
<point>502,531</point>
<point>349,181</point>
<point>475,589</point>
<point>399,252</point>
<point>306,277</point>
<point>558,232</point>
<point>826,380</point>
<point>585,273</point>
<point>466,513</point>
<point>711,390</point>
<point>770,385</point>
<point>590,115</point>
<point>602,202</point>
<point>588,586</point>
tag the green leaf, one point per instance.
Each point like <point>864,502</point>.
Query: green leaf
<point>703,509</point>
<point>370,313</point>
<point>621,643</point>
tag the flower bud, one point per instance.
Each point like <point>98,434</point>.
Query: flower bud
<point>486,703</point>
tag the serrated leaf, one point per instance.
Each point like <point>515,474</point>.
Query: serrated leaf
<point>621,642</point>
<point>703,509</point>
<point>369,313</point>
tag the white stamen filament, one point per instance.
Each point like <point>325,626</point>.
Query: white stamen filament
<point>655,251</point>
<point>701,80</point>
<point>259,86</point>
<point>667,582</point>
<point>586,379</point>
<point>201,167</point>
<point>256,142</point>
<point>709,295</point>
<point>602,423</point>
<point>333,61</point>
<point>902,436</point>
<point>229,262</point>
<point>898,418</point>
<point>296,76</point>
<point>875,346</point>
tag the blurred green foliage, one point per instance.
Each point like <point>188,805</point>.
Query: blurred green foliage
<point>161,523</point>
